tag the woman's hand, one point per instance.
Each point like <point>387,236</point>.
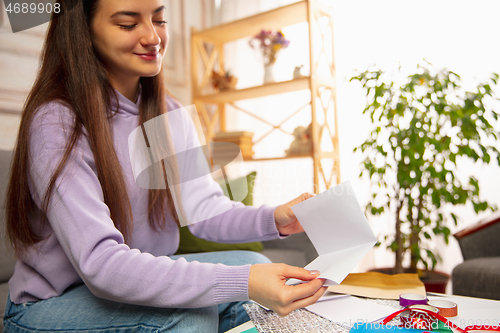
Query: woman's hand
<point>286,221</point>
<point>266,286</point>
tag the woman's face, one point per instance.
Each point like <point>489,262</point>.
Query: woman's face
<point>130,37</point>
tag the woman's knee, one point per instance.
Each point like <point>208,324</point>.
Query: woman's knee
<point>193,320</point>
<point>230,258</point>
<point>251,257</point>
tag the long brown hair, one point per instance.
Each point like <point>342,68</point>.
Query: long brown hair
<point>71,73</point>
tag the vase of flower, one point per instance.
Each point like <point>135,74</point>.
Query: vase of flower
<point>270,43</point>
<point>269,73</point>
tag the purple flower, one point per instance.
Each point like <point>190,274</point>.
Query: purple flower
<point>270,43</point>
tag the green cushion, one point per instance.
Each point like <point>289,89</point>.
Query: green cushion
<point>191,244</point>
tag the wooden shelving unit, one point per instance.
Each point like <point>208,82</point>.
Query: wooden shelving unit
<point>317,83</point>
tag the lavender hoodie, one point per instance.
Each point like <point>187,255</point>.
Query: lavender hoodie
<point>83,245</point>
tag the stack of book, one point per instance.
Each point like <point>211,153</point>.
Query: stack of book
<point>243,139</point>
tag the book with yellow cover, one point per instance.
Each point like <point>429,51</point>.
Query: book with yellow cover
<point>379,285</point>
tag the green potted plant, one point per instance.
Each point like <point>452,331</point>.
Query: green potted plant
<point>423,126</point>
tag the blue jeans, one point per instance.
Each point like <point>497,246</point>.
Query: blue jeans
<point>77,309</point>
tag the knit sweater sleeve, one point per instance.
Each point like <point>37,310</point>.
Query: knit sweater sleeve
<point>80,220</point>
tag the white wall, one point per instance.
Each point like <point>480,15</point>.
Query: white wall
<point>19,54</point>
<point>18,64</point>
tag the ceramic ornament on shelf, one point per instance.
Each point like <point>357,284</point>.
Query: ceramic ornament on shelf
<point>302,144</point>
<point>297,72</point>
<point>269,43</point>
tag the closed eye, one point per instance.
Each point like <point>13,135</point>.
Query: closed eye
<point>127,27</point>
<point>132,26</point>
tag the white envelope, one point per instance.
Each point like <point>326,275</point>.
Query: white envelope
<point>338,229</point>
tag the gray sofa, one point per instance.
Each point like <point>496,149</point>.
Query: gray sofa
<point>479,274</point>
<point>295,250</point>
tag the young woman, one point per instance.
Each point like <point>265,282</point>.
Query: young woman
<point>94,249</point>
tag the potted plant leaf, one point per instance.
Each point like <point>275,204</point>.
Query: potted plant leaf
<point>424,125</point>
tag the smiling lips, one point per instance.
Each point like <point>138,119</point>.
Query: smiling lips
<point>148,56</point>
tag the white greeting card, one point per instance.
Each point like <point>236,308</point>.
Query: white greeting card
<point>338,229</point>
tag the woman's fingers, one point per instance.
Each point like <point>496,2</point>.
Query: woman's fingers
<point>299,273</point>
<point>303,197</point>
<point>302,303</point>
<point>305,290</point>
<point>286,221</point>
<point>266,285</point>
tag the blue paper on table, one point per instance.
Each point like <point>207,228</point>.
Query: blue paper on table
<point>338,229</point>
<point>379,328</point>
